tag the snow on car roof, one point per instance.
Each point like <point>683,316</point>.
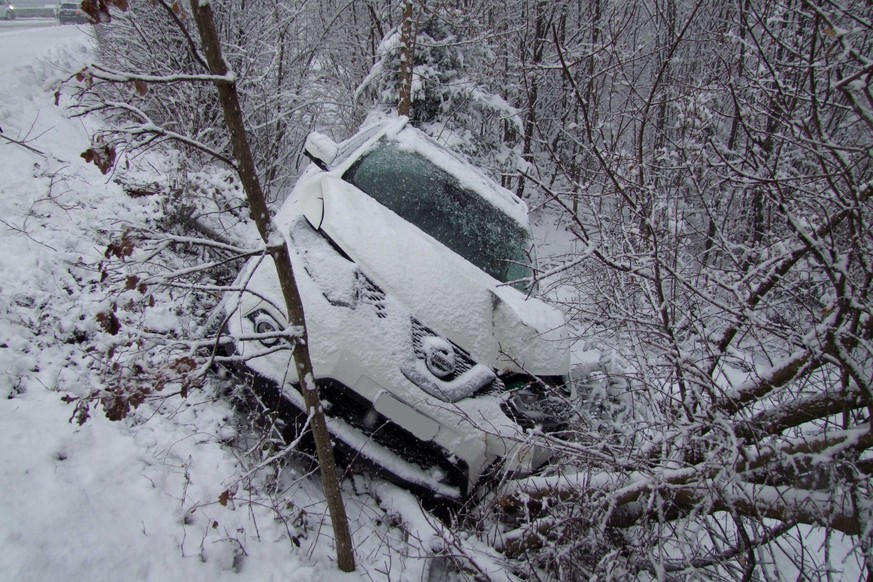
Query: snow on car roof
<point>356,146</point>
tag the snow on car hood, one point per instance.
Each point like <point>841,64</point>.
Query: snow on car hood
<point>497,324</point>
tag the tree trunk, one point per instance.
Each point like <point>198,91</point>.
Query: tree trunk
<point>278,249</point>
<point>407,54</point>
<point>541,24</point>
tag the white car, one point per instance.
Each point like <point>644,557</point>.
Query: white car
<point>433,362</point>
<point>7,10</point>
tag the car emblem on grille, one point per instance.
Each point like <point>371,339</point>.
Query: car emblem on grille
<point>439,356</point>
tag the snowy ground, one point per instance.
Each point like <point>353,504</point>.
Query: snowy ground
<point>136,499</point>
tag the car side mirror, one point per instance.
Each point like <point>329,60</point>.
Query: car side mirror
<point>320,149</point>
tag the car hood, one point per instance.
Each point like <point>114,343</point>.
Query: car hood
<point>497,324</point>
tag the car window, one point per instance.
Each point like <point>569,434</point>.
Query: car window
<point>436,202</point>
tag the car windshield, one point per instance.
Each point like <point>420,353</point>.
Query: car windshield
<point>427,196</point>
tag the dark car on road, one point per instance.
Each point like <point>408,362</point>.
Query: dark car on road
<point>71,13</point>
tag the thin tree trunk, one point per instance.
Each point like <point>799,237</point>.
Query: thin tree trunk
<point>407,54</point>
<point>541,24</point>
<point>278,249</point>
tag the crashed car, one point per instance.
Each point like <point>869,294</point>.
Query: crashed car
<point>433,362</point>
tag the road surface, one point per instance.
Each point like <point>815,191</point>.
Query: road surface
<point>8,26</point>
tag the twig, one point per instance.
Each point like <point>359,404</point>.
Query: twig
<point>24,145</point>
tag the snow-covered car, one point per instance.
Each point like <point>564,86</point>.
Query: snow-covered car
<point>71,13</point>
<point>433,361</point>
<point>7,10</point>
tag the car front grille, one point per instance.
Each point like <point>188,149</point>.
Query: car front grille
<point>370,294</point>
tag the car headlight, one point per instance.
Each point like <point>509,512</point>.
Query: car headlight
<point>266,325</point>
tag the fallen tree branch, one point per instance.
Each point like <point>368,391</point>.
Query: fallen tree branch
<point>23,144</point>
